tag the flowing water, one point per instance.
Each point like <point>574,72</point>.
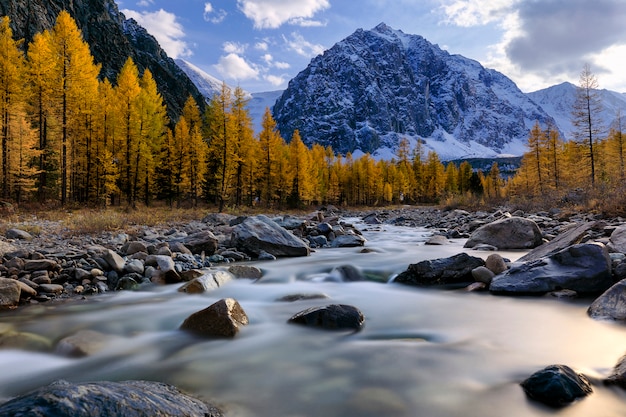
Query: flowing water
<point>422,352</point>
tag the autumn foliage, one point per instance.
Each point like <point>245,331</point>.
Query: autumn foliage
<point>69,136</point>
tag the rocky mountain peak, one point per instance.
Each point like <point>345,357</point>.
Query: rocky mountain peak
<point>377,86</point>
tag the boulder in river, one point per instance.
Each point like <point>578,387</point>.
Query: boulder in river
<point>618,377</point>
<point>611,304</point>
<point>9,293</point>
<point>330,317</point>
<point>556,386</point>
<point>126,398</point>
<point>507,233</point>
<point>258,234</point>
<point>221,319</point>
<point>456,269</point>
<point>584,268</point>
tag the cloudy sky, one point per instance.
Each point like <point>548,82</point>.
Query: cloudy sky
<point>262,44</point>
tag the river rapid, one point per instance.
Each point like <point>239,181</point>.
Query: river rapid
<point>422,352</point>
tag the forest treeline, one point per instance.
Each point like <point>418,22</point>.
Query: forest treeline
<point>588,169</point>
<point>70,137</point>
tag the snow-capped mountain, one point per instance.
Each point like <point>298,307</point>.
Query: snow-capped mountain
<point>558,102</point>
<point>377,86</point>
<point>207,84</point>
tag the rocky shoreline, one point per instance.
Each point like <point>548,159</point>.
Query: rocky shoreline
<point>569,255</point>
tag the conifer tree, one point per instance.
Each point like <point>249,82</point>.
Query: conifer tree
<point>243,142</point>
<point>41,92</point>
<point>11,95</point>
<point>221,130</point>
<point>301,172</point>
<point>152,125</point>
<point>24,153</point>
<point>77,77</point>
<point>128,91</point>
<point>270,143</point>
<point>586,117</point>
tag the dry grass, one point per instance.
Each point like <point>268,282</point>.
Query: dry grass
<point>94,221</point>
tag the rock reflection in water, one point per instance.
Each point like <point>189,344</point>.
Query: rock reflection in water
<point>421,352</point>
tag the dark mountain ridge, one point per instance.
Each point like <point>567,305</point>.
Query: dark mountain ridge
<point>112,39</point>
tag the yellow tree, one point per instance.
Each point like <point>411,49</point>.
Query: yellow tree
<point>452,176</point>
<point>536,157</point>
<point>243,142</point>
<point>153,121</point>
<point>433,177</point>
<point>106,174</point>
<point>300,170</point>
<point>270,144</point>
<point>616,149</point>
<point>127,91</point>
<point>11,94</point>
<point>76,74</point>
<point>180,157</point>
<point>24,152</point>
<point>554,148</point>
<point>221,135</point>
<point>40,95</point>
<point>465,177</point>
<point>164,177</point>
<point>405,178</point>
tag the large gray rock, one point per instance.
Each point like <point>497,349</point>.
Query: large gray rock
<point>126,398</point>
<point>556,386</point>
<point>618,377</point>
<point>115,261</point>
<point>199,242</point>
<point>617,241</point>
<point>18,234</point>
<point>611,304</point>
<point>456,269</point>
<point>221,319</point>
<point>330,317</point>
<point>508,233</point>
<point>349,240</point>
<point>207,282</point>
<point>9,293</point>
<point>564,240</point>
<point>584,268</point>
<point>259,234</point>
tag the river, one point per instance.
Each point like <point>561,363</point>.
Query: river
<point>422,352</point>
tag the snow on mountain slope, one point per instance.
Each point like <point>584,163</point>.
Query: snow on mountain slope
<point>206,84</point>
<point>558,102</point>
<point>377,86</point>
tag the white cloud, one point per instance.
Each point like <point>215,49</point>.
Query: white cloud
<point>301,46</point>
<point>261,46</point>
<point>282,65</point>
<point>268,58</point>
<point>272,14</point>
<point>233,48</point>
<point>545,42</point>
<point>165,27</point>
<point>145,3</point>
<point>235,67</point>
<point>467,13</point>
<point>275,80</point>
<point>212,15</point>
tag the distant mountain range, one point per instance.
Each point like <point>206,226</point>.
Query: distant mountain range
<point>377,86</point>
<point>558,102</point>
<point>362,95</point>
